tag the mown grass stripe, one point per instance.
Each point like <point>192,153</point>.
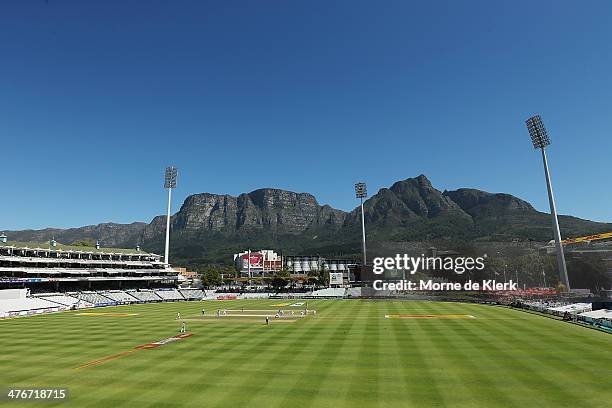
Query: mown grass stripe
<point>347,356</point>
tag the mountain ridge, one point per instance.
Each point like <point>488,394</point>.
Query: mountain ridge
<point>409,210</point>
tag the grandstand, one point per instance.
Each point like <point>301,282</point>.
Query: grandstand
<point>120,296</point>
<point>17,303</point>
<point>64,300</point>
<point>97,299</point>
<point>23,307</point>
<point>192,294</point>
<point>52,268</point>
<point>145,295</point>
<point>329,293</point>
<point>169,294</point>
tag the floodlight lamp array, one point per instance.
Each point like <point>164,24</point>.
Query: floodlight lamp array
<point>170,177</point>
<point>537,131</point>
<point>361,190</point>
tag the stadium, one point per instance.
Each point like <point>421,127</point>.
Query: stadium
<point>361,207</point>
<point>96,326</point>
<point>91,326</point>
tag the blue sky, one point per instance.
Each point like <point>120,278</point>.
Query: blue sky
<point>96,98</point>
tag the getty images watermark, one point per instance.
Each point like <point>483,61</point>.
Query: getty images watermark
<point>458,265</point>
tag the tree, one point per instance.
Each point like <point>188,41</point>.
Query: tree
<point>211,276</point>
<point>323,276</point>
<point>313,277</point>
<point>494,268</point>
<point>588,272</point>
<point>280,279</point>
<point>227,271</point>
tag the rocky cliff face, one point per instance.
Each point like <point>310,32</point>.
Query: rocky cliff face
<point>406,200</point>
<point>479,203</point>
<point>267,209</point>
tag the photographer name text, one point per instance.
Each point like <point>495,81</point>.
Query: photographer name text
<point>430,285</point>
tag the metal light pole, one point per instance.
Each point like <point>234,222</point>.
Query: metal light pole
<point>361,192</point>
<point>169,183</point>
<point>249,265</point>
<point>516,274</point>
<point>540,140</point>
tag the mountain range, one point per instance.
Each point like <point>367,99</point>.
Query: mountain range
<point>211,227</point>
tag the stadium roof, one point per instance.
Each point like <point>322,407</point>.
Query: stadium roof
<point>46,246</point>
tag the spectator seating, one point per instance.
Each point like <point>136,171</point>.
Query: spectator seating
<point>329,292</point>
<point>145,295</point>
<point>53,302</point>
<point>120,296</point>
<point>64,300</point>
<point>169,294</point>
<point>96,298</point>
<point>27,306</point>
<point>192,294</point>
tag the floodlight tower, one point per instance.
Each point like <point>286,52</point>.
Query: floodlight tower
<point>169,183</point>
<point>361,192</point>
<point>540,140</point>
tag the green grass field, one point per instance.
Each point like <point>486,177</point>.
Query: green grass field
<point>348,355</point>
